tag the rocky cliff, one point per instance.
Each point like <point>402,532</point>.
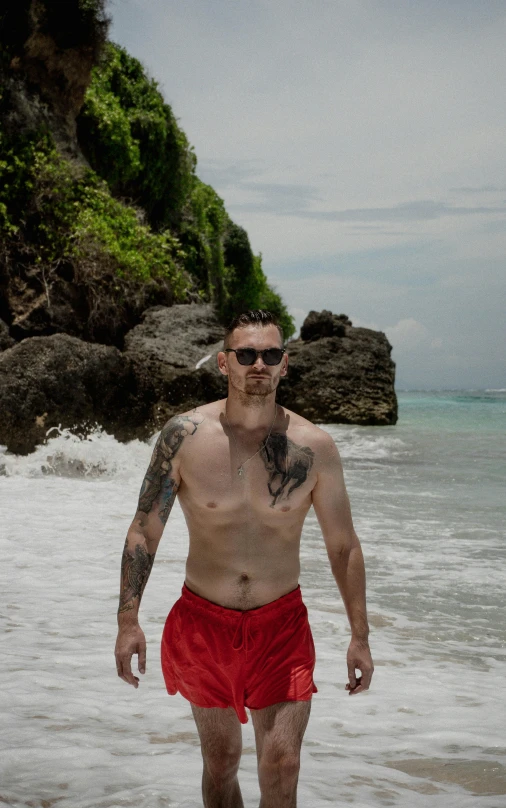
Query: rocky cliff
<point>102,214</point>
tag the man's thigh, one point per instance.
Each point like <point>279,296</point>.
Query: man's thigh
<point>219,730</point>
<point>280,728</point>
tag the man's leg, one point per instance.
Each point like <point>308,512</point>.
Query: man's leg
<point>221,745</point>
<point>279,730</point>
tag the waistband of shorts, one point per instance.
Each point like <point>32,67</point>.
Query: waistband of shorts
<point>283,604</point>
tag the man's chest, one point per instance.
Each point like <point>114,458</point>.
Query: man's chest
<point>280,475</point>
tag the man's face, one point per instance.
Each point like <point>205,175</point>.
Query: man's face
<point>258,379</point>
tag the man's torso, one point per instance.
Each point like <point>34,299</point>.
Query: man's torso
<point>245,530</point>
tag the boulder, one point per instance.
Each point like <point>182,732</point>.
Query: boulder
<point>169,366</point>
<point>346,377</point>
<point>62,381</point>
<point>323,324</point>
<point>173,354</point>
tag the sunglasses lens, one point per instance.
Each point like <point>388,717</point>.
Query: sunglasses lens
<point>272,356</point>
<point>246,356</point>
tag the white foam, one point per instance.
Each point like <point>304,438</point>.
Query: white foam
<point>366,443</point>
<point>67,455</point>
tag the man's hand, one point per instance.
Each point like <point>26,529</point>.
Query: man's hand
<point>359,656</point>
<point>130,641</point>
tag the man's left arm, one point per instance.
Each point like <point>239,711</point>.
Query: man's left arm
<point>332,508</point>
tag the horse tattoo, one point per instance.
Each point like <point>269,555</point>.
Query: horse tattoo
<point>288,465</point>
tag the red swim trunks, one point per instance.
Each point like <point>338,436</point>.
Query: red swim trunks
<point>219,657</point>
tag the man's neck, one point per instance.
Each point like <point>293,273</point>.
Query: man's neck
<point>251,412</point>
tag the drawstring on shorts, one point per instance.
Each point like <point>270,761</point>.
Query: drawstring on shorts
<point>244,630</point>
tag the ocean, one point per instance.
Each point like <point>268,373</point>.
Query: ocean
<point>428,500</point>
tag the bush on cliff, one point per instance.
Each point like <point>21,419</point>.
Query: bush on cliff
<point>53,212</point>
<point>73,258</point>
<point>131,138</point>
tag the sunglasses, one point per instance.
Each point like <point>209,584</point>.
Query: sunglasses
<point>248,356</point>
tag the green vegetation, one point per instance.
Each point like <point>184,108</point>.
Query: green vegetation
<point>131,138</point>
<point>139,213</point>
<point>58,213</point>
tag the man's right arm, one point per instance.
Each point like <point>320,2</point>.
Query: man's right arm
<point>157,495</point>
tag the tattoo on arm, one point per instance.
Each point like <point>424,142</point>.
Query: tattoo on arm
<point>158,485</point>
<point>158,490</point>
<point>288,465</point>
<point>135,571</point>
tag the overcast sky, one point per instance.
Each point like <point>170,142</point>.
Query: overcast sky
<point>362,145</point>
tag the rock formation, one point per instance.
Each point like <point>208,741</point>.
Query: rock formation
<point>173,354</point>
<point>339,374</point>
<point>61,380</point>
<point>336,374</point>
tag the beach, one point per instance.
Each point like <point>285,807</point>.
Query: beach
<point>427,499</point>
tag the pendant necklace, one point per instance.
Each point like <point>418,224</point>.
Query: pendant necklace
<point>240,469</point>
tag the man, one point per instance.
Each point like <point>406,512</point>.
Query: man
<point>246,472</point>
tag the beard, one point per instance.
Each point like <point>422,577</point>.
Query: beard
<point>251,392</point>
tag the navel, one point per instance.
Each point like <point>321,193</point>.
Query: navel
<point>211,505</point>
<point>244,577</point>
<point>285,508</point>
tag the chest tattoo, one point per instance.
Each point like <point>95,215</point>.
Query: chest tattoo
<point>288,465</point>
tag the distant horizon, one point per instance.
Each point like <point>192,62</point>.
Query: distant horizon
<point>449,389</point>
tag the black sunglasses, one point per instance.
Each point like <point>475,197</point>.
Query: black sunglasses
<point>248,356</point>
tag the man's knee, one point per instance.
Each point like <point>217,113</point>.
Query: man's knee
<point>222,764</point>
<point>279,767</point>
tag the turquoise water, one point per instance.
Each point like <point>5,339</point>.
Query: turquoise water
<point>454,411</point>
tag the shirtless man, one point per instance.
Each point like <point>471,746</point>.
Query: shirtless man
<point>246,471</point>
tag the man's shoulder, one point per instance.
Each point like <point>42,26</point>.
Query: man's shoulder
<point>205,415</point>
<point>304,432</point>
<point>315,441</point>
<point>187,429</point>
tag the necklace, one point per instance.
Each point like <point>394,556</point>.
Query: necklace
<point>240,469</point>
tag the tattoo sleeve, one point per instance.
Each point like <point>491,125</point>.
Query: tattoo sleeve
<point>158,492</point>
<point>135,571</point>
<point>159,487</point>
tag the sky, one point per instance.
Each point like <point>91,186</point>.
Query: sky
<point>361,144</point>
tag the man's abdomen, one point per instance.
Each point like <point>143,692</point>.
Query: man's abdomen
<point>243,580</point>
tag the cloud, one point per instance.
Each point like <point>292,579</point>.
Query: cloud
<point>481,189</point>
<point>297,199</point>
<point>275,197</point>
<point>223,175</point>
<point>417,210</point>
<point>408,334</point>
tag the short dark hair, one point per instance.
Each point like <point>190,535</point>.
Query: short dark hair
<point>259,317</point>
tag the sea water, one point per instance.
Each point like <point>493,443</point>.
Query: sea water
<point>427,497</point>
